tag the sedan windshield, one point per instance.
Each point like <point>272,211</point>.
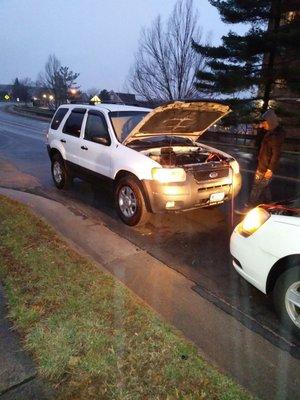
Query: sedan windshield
<point>125,121</point>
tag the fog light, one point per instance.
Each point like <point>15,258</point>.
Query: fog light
<point>170,204</point>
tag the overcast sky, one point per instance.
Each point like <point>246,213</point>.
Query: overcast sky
<point>97,38</point>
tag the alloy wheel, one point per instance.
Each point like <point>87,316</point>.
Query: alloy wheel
<point>292,303</point>
<point>57,172</point>
<point>127,201</point>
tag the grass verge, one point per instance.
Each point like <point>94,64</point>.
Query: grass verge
<point>90,336</point>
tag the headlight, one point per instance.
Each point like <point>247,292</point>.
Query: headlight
<point>167,175</point>
<point>253,221</point>
<point>235,166</point>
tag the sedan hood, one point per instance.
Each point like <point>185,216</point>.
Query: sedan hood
<point>186,119</point>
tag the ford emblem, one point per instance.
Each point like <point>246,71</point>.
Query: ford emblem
<point>213,175</point>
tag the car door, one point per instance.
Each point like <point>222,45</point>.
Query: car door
<point>70,137</point>
<point>96,145</point>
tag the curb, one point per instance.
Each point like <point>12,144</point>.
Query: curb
<point>113,248</point>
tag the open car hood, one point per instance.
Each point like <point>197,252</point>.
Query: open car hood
<point>186,119</point>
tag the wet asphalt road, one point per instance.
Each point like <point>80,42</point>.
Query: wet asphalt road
<point>194,243</point>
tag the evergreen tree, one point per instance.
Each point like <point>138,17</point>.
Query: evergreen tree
<point>265,58</point>
<point>20,89</point>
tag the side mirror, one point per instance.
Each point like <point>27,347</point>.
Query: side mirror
<point>101,140</point>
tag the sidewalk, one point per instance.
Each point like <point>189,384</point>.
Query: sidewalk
<point>17,370</point>
<point>253,361</point>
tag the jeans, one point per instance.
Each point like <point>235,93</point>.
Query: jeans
<point>260,192</point>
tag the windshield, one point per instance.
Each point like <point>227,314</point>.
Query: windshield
<point>124,121</point>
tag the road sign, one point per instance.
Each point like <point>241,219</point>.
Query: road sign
<point>6,97</point>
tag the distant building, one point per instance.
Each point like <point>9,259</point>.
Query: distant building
<point>122,98</point>
<point>5,88</point>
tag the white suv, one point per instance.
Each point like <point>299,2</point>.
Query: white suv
<point>151,156</point>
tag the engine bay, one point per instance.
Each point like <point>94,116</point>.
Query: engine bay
<point>183,156</point>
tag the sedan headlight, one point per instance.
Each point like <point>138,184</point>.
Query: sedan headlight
<point>235,166</point>
<point>253,221</point>
<point>168,175</point>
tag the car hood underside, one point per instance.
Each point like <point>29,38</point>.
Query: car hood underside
<point>185,119</point>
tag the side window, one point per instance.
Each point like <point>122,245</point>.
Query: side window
<point>58,117</point>
<point>74,122</point>
<point>96,127</point>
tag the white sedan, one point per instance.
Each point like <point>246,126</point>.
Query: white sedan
<point>265,249</point>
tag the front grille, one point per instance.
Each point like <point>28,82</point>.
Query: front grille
<point>210,174</point>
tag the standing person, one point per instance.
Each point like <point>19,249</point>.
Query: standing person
<point>268,159</point>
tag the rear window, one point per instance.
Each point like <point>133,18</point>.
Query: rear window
<point>73,123</point>
<point>58,117</point>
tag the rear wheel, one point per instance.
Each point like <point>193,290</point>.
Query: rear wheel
<point>287,299</point>
<point>130,202</point>
<point>61,177</point>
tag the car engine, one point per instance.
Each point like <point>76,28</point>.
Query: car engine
<point>183,157</point>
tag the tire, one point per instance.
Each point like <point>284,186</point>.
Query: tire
<point>61,177</point>
<point>134,211</point>
<point>287,288</point>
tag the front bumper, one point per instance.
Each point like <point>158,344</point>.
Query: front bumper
<point>243,252</point>
<point>190,194</point>
<point>250,259</point>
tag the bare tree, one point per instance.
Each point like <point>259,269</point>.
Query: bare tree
<point>58,79</point>
<point>165,63</point>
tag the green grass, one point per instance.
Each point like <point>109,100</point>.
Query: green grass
<point>90,336</point>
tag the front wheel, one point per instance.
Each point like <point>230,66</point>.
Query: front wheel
<point>60,175</point>
<point>130,202</point>
<point>287,299</point>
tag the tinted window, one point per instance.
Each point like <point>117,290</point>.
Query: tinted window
<point>73,123</point>
<point>96,127</point>
<point>58,117</point>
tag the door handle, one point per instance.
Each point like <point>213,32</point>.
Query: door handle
<point>63,140</point>
<point>84,148</point>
